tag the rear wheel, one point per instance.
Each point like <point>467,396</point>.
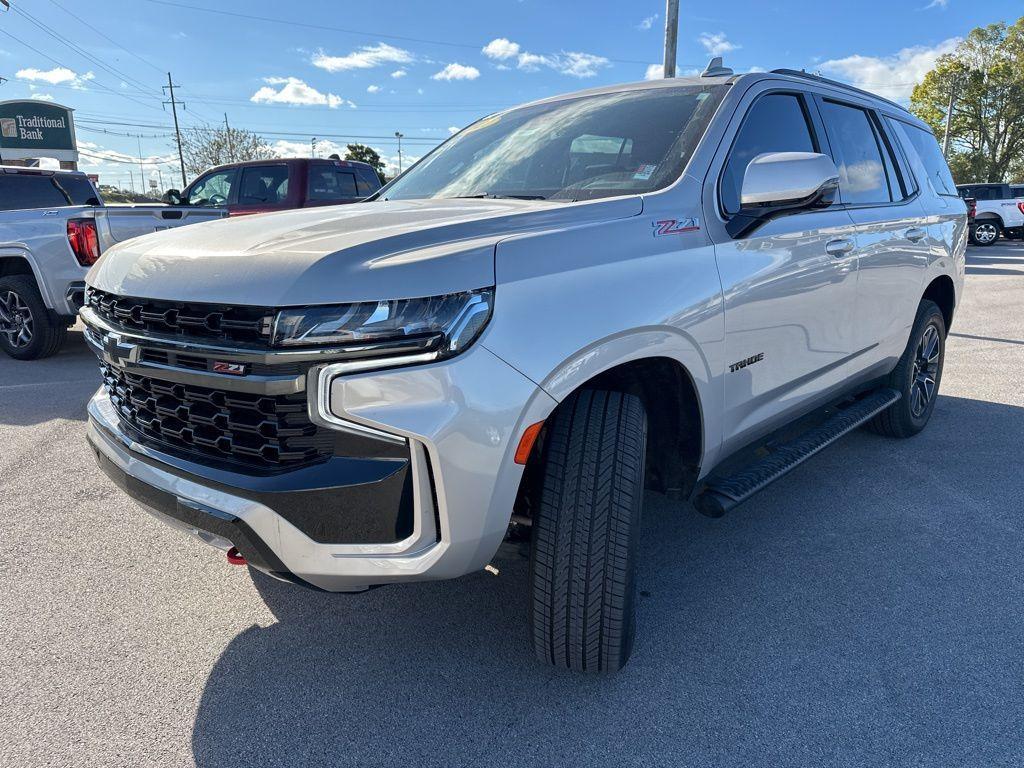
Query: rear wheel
<point>985,232</point>
<point>27,328</point>
<point>917,376</point>
<point>585,529</point>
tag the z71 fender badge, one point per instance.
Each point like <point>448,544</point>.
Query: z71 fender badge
<point>675,226</point>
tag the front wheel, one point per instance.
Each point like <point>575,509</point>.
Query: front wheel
<point>917,376</point>
<point>585,529</point>
<point>985,232</point>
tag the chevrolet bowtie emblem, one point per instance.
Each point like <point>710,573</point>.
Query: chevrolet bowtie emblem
<point>118,351</point>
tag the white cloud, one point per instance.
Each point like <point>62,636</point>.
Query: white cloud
<point>55,76</point>
<point>891,76</point>
<point>453,129</point>
<point>654,72</point>
<point>399,73</point>
<point>716,44</point>
<point>501,49</point>
<point>367,57</point>
<point>937,4</point>
<point>572,63</point>
<point>456,71</point>
<point>373,89</point>
<point>297,92</point>
<point>648,22</point>
<point>42,96</point>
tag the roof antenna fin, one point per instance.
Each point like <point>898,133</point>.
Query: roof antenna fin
<point>716,69</point>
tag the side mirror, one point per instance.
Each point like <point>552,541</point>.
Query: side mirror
<point>779,183</point>
<point>172,197</point>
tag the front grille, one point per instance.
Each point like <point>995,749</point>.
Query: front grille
<point>260,431</point>
<point>243,324</point>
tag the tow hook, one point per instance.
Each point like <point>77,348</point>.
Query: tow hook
<point>235,557</point>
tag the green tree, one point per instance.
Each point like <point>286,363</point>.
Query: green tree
<point>368,155</point>
<point>986,129</point>
<point>204,147</point>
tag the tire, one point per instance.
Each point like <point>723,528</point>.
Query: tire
<point>585,529</point>
<point>985,232</point>
<point>28,330</point>
<point>911,414</point>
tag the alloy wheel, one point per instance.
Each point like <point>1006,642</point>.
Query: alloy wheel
<point>985,233</point>
<point>16,321</point>
<point>925,374</point>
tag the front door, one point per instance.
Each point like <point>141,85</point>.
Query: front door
<point>789,289</point>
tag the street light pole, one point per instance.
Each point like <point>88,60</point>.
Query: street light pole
<point>949,117</point>
<point>399,136</point>
<point>671,36</point>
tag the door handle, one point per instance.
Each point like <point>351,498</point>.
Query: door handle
<point>916,234</point>
<point>839,247</point>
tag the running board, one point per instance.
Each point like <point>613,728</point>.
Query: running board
<point>721,494</point>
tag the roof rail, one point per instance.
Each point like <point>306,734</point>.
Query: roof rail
<point>845,86</point>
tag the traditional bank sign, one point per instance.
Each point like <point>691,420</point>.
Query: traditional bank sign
<point>32,128</point>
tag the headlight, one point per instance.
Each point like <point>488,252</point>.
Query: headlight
<point>444,324</point>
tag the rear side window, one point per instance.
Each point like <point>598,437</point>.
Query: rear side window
<point>20,191</point>
<point>863,168</point>
<point>366,182</point>
<point>78,189</point>
<point>263,185</point>
<point>927,148</point>
<point>327,182</point>
<point>776,123</point>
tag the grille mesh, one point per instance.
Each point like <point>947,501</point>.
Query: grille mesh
<point>257,430</point>
<point>208,321</point>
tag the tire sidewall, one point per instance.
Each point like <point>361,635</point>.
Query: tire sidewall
<point>41,320</point>
<point>931,317</point>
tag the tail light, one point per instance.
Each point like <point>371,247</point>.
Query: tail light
<point>1021,207</point>
<point>84,241</point>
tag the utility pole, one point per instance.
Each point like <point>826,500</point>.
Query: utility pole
<point>949,117</point>
<point>131,177</point>
<point>142,171</point>
<point>231,146</point>
<point>399,136</point>
<point>177,132</point>
<point>671,36</point>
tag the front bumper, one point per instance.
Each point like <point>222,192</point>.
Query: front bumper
<point>461,420</point>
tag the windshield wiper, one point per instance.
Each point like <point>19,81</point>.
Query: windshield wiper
<point>493,196</point>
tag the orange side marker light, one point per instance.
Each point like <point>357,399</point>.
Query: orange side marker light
<point>526,442</point>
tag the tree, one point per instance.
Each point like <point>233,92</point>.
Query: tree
<point>986,130</point>
<point>368,155</point>
<point>206,146</point>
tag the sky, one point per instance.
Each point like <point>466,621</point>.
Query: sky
<point>341,71</point>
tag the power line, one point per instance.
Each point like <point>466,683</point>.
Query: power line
<point>106,37</point>
<point>343,30</point>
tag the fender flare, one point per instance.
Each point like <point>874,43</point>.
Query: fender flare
<point>20,252</point>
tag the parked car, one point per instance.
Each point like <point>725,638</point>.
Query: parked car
<point>999,212</point>
<point>53,228</point>
<point>262,186</point>
<point>690,285</point>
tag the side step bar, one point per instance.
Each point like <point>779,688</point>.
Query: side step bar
<point>721,494</point>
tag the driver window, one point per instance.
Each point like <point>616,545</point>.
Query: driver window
<point>214,190</point>
<point>776,123</point>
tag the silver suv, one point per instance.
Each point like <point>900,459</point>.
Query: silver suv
<point>689,285</point>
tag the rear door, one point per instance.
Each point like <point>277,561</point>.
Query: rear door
<point>261,189</point>
<point>789,288</point>
<point>893,243</point>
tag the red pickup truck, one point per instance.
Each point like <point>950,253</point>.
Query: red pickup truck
<point>260,186</point>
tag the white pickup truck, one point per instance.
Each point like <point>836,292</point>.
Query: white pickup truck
<point>999,212</point>
<point>53,227</point>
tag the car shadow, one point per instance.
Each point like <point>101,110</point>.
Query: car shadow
<point>861,609</point>
<point>57,387</point>
<point>997,271</point>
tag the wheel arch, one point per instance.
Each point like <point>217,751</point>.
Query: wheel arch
<point>942,291</point>
<point>19,263</point>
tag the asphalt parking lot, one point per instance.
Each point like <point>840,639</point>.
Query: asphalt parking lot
<point>868,609</point>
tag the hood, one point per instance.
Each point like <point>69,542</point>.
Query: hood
<point>361,252</point>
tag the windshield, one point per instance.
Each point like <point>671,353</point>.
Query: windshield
<point>588,147</point>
